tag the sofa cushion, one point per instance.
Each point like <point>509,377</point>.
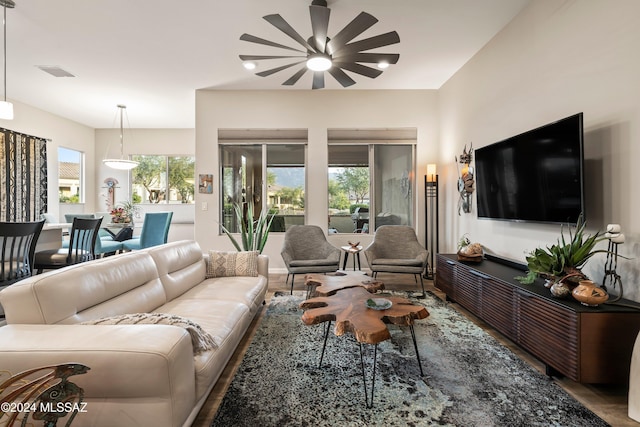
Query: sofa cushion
<point>395,261</point>
<point>200,339</point>
<point>225,264</point>
<point>311,262</point>
<point>180,265</point>
<point>105,287</point>
<point>226,321</point>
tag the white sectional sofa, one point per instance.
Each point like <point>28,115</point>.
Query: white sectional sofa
<point>140,375</point>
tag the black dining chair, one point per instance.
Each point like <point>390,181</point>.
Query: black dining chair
<point>17,249</point>
<point>82,243</point>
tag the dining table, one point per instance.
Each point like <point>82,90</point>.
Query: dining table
<point>51,235</point>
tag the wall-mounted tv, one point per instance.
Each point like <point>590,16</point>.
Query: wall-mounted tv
<point>536,176</point>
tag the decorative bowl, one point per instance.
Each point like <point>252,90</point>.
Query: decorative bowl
<point>378,303</point>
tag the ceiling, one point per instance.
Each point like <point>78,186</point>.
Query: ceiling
<point>152,55</point>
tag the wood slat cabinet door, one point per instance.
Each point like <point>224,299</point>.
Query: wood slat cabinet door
<point>467,289</point>
<point>549,332</point>
<point>499,306</point>
<point>445,276</point>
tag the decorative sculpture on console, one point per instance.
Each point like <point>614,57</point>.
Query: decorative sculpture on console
<point>42,394</point>
<point>616,238</point>
<point>466,183</point>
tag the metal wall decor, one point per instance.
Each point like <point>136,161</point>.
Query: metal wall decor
<point>466,182</point>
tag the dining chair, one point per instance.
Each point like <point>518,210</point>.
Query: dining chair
<point>155,231</point>
<point>81,248</point>
<point>17,248</point>
<point>103,247</point>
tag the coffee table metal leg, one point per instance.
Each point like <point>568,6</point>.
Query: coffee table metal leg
<point>369,401</point>
<point>324,345</point>
<point>415,344</point>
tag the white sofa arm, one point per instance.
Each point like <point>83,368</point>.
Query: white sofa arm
<point>263,266</point>
<point>151,363</point>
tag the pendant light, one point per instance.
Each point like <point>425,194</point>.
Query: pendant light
<point>121,163</point>
<point>6,108</point>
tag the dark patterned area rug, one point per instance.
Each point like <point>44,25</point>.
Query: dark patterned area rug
<point>470,379</point>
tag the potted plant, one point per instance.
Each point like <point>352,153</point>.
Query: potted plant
<point>124,212</point>
<point>563,262</point>
<point>253,233</point>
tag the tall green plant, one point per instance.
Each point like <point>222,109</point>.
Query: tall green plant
<point>565,258</point>
<point>253,233</point>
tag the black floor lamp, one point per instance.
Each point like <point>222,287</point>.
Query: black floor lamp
<point>431,217</point>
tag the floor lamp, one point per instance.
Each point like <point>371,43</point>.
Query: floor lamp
<point>431,217</point>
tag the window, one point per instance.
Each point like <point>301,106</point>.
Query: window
<point>370,184</point>
<point>163,179</point>
<point>70,175</point>
<point>278,187</point>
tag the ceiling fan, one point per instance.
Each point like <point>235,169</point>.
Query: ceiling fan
<point>321,53</point>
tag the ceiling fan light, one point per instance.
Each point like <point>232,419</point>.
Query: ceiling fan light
<point>383,65</point>
<point>249,65</point>
<point>319,62</point>
<point>6,110</point>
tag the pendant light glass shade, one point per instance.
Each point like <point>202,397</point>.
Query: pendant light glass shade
<point>121,163</point>
<point>6,110</point>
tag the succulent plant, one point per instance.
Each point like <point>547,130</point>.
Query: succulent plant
<point>566,258</point>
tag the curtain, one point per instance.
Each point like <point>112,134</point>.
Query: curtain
<point>23,176</point>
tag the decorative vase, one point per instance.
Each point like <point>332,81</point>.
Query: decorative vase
<point>560,290</point>
<point>589,294</point>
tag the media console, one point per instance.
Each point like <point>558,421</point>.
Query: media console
<point>586,344</point>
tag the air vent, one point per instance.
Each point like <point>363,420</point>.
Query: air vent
<point>55,71</point>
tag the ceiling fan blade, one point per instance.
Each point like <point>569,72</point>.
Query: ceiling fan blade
<point>357,26</point>
<point>278,21</point>
<point>320,25</point>
<point>318,80</point>
<point>275,70</point>
<point>385,39</point>
<point>372,58</point>
<point>294,79</point>
<point>359,69</point>
<point>259,57</point>
<point>253,39</point>
<point>341,77</point>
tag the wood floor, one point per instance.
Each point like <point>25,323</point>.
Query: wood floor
<point>608,402</point>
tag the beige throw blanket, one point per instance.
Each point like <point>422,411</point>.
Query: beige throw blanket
<point>201,340</point>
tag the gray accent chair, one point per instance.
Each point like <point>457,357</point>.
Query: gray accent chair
<point>306,250</point>
<point>395,249</point>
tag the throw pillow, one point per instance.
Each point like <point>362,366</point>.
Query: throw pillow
<point>225,264</point>
<point>200,339</point>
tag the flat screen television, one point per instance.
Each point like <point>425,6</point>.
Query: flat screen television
<point>536,176</point>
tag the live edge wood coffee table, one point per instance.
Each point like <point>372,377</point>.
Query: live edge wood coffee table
<point>325,285</point>
<point>348,308</point>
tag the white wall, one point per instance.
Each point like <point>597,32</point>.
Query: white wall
<point>62,133</point>
<point>557,58</point>
<point>316,111</point>
<point>168,142</point>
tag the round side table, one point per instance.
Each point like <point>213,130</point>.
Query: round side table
<point>355,251</point>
